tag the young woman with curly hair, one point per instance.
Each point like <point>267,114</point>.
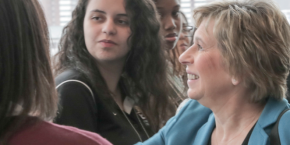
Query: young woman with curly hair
<point>112,72</point>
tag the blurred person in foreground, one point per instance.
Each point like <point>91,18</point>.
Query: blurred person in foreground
<point>27,92</point>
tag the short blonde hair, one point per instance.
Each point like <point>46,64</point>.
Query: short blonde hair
<point>254,39</point>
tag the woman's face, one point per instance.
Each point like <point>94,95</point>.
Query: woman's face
<point>183,41</point>
<point>106,30</point>
<point>169,15</point>
<point>208,80</point>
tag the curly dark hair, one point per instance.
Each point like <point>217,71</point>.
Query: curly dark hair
<point>145,69</point>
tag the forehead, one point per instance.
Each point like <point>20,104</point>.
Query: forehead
<point>167,4</point>
<point>205,31</point>
<point>108,6</point>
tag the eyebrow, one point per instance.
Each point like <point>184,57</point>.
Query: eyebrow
<point>103,12</point>
<point>199,39</point>
<point>122,15</point>
<point>99,11</point>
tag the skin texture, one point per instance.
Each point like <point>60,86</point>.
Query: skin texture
<point>170,19</point>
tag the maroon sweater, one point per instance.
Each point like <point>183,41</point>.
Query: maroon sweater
<point>45,133</point>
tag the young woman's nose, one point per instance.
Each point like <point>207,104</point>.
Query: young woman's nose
<point>109,27</point>
<point>182,36</point>
<point>169,23</point>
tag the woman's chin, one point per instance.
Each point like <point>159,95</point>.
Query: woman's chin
<point>193,95</point>
<point>170,44</point>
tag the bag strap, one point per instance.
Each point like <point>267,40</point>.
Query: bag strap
<point>80,83</point>
<point>274,135</point>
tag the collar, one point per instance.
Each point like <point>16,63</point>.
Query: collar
<point>261,130</point>
<point>128,104</point>
<point>271,112</point>
<point>273,108</point>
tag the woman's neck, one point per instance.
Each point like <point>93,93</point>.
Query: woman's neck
<point>111,72</point>
<point>234,119</point>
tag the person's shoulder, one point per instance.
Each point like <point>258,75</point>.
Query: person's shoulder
<point>185,124</point>
<point>71,75</point>
<point>191,111</point>
<point>189,106</point>
<point>74,135</point>
<point>43,132</point>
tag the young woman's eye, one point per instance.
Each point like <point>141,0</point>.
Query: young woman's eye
<point>122,22</point>
<point>160,15</point>
<point>176,13</point>
<point>96,18</point>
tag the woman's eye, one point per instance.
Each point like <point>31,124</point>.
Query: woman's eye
<point>122,22</point>
<point>96,18</point>
<point>176,14</point>
<point>161,15</point>
<point>199,47</point>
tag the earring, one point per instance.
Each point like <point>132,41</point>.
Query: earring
<point>234,81</point>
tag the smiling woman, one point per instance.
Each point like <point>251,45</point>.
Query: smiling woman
<point>112,72</point>
<point>237,68</point>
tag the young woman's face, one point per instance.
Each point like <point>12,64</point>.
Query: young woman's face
<point>169,15</point>
<point>183,41</point>
<point>106,30</point>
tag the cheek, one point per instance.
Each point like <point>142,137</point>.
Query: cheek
<point>124,36</point>
<point>212,64</point>
<point>186,39</point>
<point>163,31</point>
<point>210,68</point>
<point>177,23</point>
<point>89,34</point>
<point>205,64</point>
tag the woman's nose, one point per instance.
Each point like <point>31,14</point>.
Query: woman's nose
<point>109,27</point>
<point>169,23</point>
<point>187,56</point>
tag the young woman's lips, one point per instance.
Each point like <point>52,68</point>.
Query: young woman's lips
<point>183,46</point>
<point>171,37</point>
<point>107,43</point>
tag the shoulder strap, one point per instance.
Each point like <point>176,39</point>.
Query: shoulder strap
<point>274,135</point>
<point>80,83</point>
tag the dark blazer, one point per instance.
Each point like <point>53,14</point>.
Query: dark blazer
<point>82,108</point>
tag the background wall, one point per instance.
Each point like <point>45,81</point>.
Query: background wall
<point>58,14</point>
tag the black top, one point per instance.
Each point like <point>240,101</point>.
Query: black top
<point>246,140</point>
<point>79,109</point>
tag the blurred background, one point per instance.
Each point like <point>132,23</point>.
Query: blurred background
<point>58,14</point>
